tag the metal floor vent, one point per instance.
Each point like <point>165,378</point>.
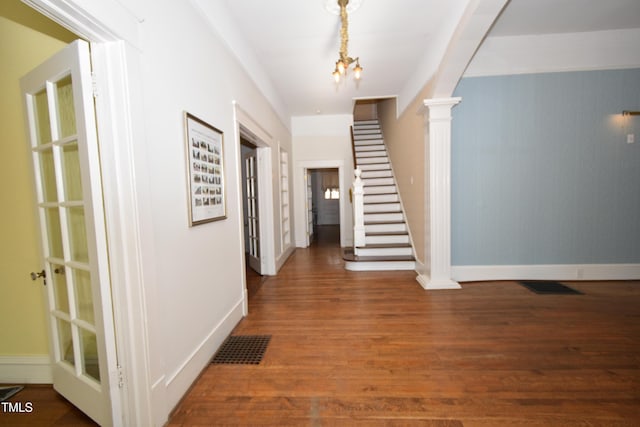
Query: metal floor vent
<point>242,350</point>
<point>549,288</point>
<point>7,392</point>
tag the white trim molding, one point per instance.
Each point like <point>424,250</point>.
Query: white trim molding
<point>438,199</point>
<point>113,32</point>
<point>32,369</point>
<point>475,273</point>
<point>178,382</point>
<point>300,224</point>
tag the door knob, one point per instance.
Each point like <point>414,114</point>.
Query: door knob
<point>36,276</point>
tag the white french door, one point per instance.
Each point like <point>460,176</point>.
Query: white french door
<point>62,131</point>
<point>251,186</point>
<point>309,206</point>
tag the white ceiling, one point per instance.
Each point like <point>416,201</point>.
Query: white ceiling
<point>532,17</point>
<point>292,45</point>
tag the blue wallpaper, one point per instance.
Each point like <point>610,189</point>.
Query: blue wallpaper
<point>542,172</point>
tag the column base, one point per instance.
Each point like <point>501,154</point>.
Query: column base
<point>436,284</point>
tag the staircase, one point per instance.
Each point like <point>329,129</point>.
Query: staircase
<point>387,243</point>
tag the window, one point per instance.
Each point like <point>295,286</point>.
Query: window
<point>330,185</point>
<point>332,194</point>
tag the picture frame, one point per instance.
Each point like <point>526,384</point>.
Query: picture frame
<point>205,166</point>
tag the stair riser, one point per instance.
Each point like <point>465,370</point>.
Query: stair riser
<point>382,251</point>
<point>366,134</point>
<point>374,167</point>
<point>384,240</point>
<point>376,174</point>
<point>371,217</point>
<point>384,228</point>
<point>365,154</point>
<point>380,189</point>
<point>367,139</point>
<point>380,266</point>
<point>368,142</point>
<point>378,181</point>
<point>360,126</point>
<point>370,160</point>
<point>366,131</point>
<point>380,198</point>
<point>383,207</point>
<point>365,148</point>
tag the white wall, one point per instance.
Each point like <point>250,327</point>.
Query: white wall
<point>322,142</point>
<point>596,50</point>
<point>197,295</point>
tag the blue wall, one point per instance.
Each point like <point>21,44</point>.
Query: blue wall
<point>542,172</point>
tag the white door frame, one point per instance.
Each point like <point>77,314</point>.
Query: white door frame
<point>250,130</point>
<point>302,168</point>
<point>114,40</point>
<point>309,206</point>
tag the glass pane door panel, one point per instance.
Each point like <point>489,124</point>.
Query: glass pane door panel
<point>54,233</point>
<point>65,341</point>
<point>89,354</point>
<point>84,297</point>
<point>65,108</point>
<point>71,168</point>
<point>48,173</point>
<point>60,292</point>
<point>41,115</point>
<point>77,234</point>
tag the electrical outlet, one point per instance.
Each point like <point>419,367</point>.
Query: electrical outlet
<point>631,138</point>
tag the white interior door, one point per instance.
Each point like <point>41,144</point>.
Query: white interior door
<point>251,185</point>
<point>63,143</point>
<point>309,206</point>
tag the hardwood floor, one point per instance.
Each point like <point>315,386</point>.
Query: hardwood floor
<point>375,349</point>
<point>48,408</point>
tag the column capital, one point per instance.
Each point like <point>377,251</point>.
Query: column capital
<point>441,102</point>
<point>440,108</point>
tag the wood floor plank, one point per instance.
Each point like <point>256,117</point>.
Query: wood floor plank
<point>374,348</point>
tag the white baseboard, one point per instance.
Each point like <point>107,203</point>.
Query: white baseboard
<point>179,382</point>
<point>284,257</point>
<point>26,370</point>
<point>159,402</point>
<point>472,273</point>
<point>421,268</point>
<point>432,285</point>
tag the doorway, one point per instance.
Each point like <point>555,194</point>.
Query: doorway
<point>64,147</point>
<point>114,110</point>
<point>305,179</point>
<point>323,200</point>
<point>251,215</point>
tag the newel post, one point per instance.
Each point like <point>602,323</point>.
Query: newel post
<point>358,210</point>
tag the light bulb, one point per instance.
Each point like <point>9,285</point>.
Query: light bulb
<point>341,67</point>
<point>357,71</point>
<point>336,76</point>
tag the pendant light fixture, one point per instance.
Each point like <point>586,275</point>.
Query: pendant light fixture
<point>344,60</point>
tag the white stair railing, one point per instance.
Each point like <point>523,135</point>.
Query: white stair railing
<point>358,210</point>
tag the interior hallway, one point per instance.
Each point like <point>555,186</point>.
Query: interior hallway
<point>375,349</point>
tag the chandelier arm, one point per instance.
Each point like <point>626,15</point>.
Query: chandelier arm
<point>344,61</point>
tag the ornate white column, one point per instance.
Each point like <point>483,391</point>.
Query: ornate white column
<point>438,157</point>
